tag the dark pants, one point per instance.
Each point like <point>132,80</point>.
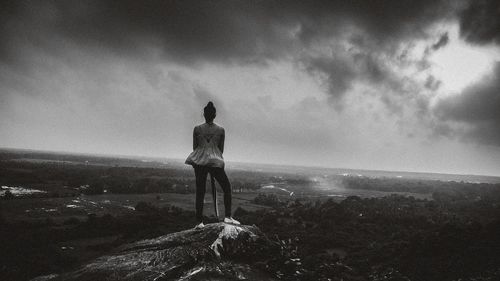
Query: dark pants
<point>201,181</point>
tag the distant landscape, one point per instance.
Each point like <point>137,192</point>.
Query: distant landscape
<point>60,210</point>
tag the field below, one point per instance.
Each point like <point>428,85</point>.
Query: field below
<point>61,209</point>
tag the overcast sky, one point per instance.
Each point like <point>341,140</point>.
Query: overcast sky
<point>381,84</point>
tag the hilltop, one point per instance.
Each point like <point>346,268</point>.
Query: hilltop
<point>218,251</point>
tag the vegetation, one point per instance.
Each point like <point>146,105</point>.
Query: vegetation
<point>30,249</point>
<point>453,236</point>
<point>70,180</point>
<point>268,199</point>
<point>440,190</point>
<point>390,238</point>
<point>396,237</point>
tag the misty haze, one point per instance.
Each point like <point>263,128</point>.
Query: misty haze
<point>250,140</point>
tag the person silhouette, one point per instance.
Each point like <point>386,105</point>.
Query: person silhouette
<point>206,158</point>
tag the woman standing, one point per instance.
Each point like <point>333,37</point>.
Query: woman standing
<point>208,146</point>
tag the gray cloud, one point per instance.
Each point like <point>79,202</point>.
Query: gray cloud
<point>475,112</point>
<point>432,83</point>
<point>190,31</point>
<point>443,41</point>
<point>245,32</point>
<point>480,21</point>
<point>234,31</point>
<point>337,73</point>
<point>340,70</point>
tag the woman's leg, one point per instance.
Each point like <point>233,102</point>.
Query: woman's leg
<point>221,177</point>
<point>200,173</point>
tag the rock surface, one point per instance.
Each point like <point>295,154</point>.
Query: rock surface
<point>217,252</point>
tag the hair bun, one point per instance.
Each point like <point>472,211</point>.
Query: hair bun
<point>209,111</point>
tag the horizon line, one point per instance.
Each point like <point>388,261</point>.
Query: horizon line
<point>241,162</point>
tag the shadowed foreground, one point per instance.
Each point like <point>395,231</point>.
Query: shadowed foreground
<point>217,252</point>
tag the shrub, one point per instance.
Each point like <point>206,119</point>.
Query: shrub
<point>8,195</point>
<point>145,207</point>
<point>72,220</point>
<point>267,200</point>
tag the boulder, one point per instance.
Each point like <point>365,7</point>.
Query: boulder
<point>218,251</point>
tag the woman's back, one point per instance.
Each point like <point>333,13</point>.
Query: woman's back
<point>208,135</point>
<point>208,146</point>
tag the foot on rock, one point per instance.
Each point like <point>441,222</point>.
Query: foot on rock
<point>231,220</point>
<point>199,226</point>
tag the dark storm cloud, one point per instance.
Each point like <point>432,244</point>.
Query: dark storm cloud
<point>227,31</point>
<point>480,21</point>
<point>341,70</point>
<point>189,31</point>
<point>477,108</point>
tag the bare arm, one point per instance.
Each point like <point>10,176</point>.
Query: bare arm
<point>221,142</point>
<point>195,139</point>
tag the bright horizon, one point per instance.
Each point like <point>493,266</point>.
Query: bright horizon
<point>229,162</point>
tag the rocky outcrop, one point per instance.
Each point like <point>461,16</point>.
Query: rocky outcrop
<point>217,252</point>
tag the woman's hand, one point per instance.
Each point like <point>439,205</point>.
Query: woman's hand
<point>221,142</point>
<point>195,139</point>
